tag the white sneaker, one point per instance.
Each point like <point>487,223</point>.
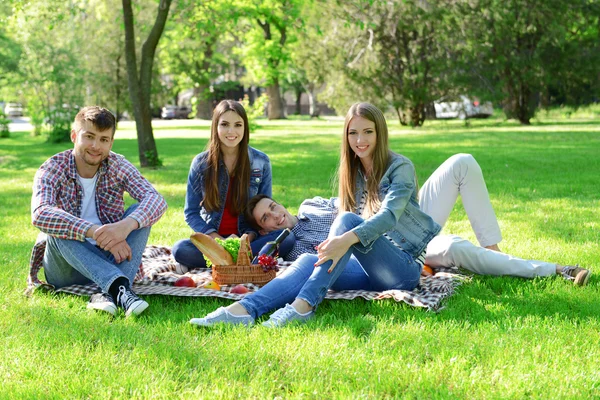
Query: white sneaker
<point>285,315</point>
<point>222,316</point>
<point>102,302</point>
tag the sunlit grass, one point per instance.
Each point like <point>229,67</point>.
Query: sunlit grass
<point>495,338</point>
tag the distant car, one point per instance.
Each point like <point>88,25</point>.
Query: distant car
<point>175,112</point>
<point>13,110</point>
<point>462,108</point>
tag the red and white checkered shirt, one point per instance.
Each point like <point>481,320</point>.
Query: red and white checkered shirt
<point>57,197</point>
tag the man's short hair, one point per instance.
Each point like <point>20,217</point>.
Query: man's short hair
<point>100,117</point>
<point>250,209</point>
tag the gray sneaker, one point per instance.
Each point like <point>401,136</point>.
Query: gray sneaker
<point>103,302</point>
<point>575,273</point>
<point>285,315</point>
<point>222,316</point>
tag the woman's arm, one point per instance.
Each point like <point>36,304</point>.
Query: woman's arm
<point>193,197</point>
<point>402,188</point>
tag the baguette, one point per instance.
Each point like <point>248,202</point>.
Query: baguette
<point>211,249</point>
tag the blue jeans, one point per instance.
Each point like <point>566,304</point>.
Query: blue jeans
<point>187,254</point>
<point>383,267</point>
<point>70,262</point>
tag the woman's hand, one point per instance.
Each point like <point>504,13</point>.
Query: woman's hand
<point>334,248</point>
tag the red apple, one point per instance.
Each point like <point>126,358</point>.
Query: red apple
<point>185,281</point>
<point>239,289</point>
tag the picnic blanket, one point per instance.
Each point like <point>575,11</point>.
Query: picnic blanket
<point>159,271</point>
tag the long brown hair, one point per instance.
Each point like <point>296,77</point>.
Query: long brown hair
<point>350,163</point>
<point>241,172</point>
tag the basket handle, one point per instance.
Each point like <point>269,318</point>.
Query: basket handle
<point>245,252</point>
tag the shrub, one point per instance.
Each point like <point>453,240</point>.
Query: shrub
<point>4,131</point>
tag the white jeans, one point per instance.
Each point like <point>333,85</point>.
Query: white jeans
<point>460,174</point>
<point>454,251</point>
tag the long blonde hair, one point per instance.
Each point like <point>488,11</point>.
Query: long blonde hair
<point>241,171</point>
<point>350,163</point>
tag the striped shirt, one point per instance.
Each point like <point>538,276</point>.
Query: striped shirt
<point>57,197</point>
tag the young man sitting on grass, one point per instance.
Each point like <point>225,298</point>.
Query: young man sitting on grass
<point>460,174</point>
<point>77,203</point>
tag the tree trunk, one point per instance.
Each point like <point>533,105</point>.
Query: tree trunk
<point>298,102</point>
<point>140,85</point>
<point>313,108</point>
<point>118,89</point>
<point>275,109</point>
<point>203,104</point>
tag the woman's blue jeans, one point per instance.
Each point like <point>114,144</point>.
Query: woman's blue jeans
<point>383,267</point>
<point>71,262</point>
<point>187,254</point>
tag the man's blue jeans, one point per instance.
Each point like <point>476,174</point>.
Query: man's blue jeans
<point>187,254</point>
<point>69,262</point>
<point>383,267</point>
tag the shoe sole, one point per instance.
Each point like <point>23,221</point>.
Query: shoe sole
<point>199,322</point>
<point>137,308</point>
<point>583,281</point>
<point>109,308</point>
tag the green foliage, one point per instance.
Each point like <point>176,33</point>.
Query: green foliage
<point>516,50</point>
<point>59,122</point>
<point>37,114</point>
<point>4,131</point>
<point>152,159</point>
<point>255,111</point>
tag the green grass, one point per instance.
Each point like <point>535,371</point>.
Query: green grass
<point>495,338</point>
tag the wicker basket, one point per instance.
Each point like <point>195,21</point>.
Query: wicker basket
<point>243,271</point>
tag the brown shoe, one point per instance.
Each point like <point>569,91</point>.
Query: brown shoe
<point>575,273</point>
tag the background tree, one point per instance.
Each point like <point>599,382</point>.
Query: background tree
<point>197,48</point>
<point>140,83</point>
<point>266,53</point>
<point>51,68</point>
<point>513,47</point>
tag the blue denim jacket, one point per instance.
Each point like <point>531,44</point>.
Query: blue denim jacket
<point>202,220</point>
<point>399,216</point>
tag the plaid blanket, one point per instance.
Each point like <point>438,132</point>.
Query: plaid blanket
<point>159,271</point>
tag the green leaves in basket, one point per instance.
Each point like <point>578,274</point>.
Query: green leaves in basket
<point>232,245</point>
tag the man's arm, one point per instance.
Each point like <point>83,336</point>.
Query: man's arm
<point>152,205</point>
<point>46,215</point>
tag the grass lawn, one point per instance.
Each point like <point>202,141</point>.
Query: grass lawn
<point>495,338</point>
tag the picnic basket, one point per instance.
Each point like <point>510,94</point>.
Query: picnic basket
<point>243,271</point>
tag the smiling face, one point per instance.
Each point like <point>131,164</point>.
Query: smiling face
<point>272,216</point>
<point>92,146</point>
<point>230,129</point>
<point>362,138</point>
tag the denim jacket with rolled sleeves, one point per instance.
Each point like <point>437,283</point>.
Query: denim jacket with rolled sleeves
<point>399,216</point>
<point>202,220</point>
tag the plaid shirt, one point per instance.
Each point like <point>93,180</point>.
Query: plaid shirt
<point>315,217</point>
<point>57,197</point>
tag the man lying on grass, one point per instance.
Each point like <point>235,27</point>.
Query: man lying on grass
<point>460,174</point>
<point>77,203</point>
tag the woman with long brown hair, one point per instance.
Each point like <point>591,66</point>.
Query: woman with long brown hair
<point>221,181</point>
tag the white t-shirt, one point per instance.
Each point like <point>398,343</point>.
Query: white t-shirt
<point>88,204</point>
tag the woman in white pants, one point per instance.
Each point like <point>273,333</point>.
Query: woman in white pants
<point>461,174</point>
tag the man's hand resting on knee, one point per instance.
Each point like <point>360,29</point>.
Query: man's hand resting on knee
<point>121,252</point>
<point>109,235</point>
